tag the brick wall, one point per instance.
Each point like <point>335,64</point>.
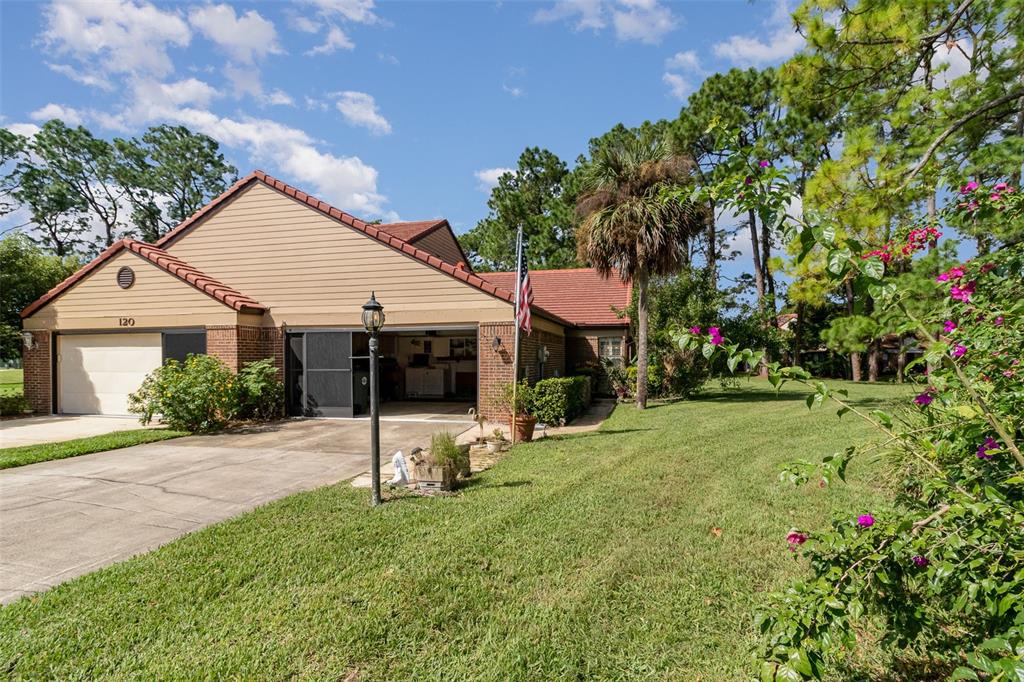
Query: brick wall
<point>222,342</point>
<point>38,380</point>
<point>237,346</point>
<point>495,367</point>
<point>529,347</point>
<point>583,351</point>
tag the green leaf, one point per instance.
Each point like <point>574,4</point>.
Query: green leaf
<point>733,361</point>
<point>800,662</point>
<point>874,268</point>
<point>841,411</point>
<point>962,673</point>
<point>838,261</point>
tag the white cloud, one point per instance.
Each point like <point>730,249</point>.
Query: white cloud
<point>683,61</point>
<point>359,11</point>
<point>23,129</point>
<point>388,58</point>
<point>360,109</point>
<point>678,86</point>
<point>118,36</point>
<point>488,177</point>
<point>244,80</point>
<point>949,62</point>
<point>513,90</point>
<point>335,40</point>
<point>300,22</point>
<point>279,98</point>
<point>782,41</point>
<point>645,20</point>
<point>93,80</point>
<point>244,37</point>
<point>69,115</point>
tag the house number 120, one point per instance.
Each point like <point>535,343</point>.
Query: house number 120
<point>126,321</point>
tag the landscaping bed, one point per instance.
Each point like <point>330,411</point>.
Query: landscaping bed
<point>641,550</point>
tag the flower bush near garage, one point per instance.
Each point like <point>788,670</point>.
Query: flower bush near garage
<point>202,394</point>
<point>941,574</point>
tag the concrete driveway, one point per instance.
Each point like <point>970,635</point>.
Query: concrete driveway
<point>62,519</point>
<point>35,430</point>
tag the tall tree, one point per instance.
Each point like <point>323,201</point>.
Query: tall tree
<point>168,175</point>
<point>628,228</point>
<point>86,167</point>
<point>59,220</point>
<point>12,154</point>
<point>540,195</point>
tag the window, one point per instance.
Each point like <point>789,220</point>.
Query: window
<point>179,345</point>
<point>610,348</point>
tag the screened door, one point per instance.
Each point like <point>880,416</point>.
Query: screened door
<point>319,374</point>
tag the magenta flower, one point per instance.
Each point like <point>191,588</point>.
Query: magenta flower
<point>1001,186</point>
<point>959,351</point>
<point>1008,373</point>
<point>795,539</point>
<point>998,321</point>
<point>962,293</point>
<point>949,326</point>
<point>983,449</point>
<point>749,180</point>
<point>695,330</point>
<point>763,164</point>
<point>969,187</point>
<point>924,399</point>
<point>995,196</point>
<point>944,277</point>
<point>972,207</point>
<point>920,561</point>
<point>865,520</point>
<point>716,338</point>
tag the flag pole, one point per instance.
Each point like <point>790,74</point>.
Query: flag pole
<point>515,323</point>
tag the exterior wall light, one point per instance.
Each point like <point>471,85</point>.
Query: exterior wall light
<point>28,340</point>
<point>496,343</point>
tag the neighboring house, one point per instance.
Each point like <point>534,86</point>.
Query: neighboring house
<point>268,271</point>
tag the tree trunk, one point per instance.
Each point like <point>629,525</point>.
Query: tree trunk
<point>712,243</point>
<point>873,357</point>
<point>901,362</point>
<point>854,355</point>
<point>756,249</point>
<point>798,334</point>
<point>641,338</point>
<point>766,256</point>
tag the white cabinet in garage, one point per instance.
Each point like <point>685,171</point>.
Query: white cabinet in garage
<point>96,372</point>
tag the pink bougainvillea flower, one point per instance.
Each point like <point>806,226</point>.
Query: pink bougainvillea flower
<point>749,180</point>
<point>795,539</point>
<point>763,164</point>
<point>959,351</point>
<point>920,561</point>
<point>963,293</point>
<point>924,399</point>
<point>949,326</point>
<point>969,187</point>
<point>1008,373</point>
<point>1001,186</point>
<point>944,277</point>
<point>972,207</point>
<point>998,321</point>
<point>716,338</point>
<point>983,449</point>
<point>995,196</point>
<point>988,267</point>
<point>695,330</point>
<point>865,520</point>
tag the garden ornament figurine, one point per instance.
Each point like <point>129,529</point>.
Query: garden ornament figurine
<point>401,476</point>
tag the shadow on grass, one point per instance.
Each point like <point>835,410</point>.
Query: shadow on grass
<point>479,482</point>
<point>589,434</point>
<point>757,396</point>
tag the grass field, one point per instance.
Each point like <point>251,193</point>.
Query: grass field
<point>11,382</point>
<point>595,556</point>
<point>30,454</point>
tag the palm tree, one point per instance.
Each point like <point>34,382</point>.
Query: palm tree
<point>630,228</point>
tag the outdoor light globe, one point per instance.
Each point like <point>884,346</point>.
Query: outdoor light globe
<point>373,315</point>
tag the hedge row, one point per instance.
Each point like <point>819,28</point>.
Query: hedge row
<point>561,398</point>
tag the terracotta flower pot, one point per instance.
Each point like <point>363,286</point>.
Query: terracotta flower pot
<point>523,427</point>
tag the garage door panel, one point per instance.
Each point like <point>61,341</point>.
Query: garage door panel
<point>97,371</point>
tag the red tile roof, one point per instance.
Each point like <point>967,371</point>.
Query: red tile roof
<point>374,231</point>
<point>411,231</point>
<point>579,295</point>
<point>163,260</point>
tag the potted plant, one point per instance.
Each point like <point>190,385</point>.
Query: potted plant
<point>437,468</point>
<point>496,441</point>
<point>518,400</point>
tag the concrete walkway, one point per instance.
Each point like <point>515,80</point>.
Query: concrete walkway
<point>65,518</point>
<point>35,430</point>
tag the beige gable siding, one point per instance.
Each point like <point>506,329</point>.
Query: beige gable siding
<point>157,299</point>
<point>441,243</point>
<point>311,270</point>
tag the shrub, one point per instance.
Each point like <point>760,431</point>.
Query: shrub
<point>197,395</point>
<point>523,397</point>
<point>13,404</point>
<point>259,393</point>
<point>560,398</point>
<point>445,452</point>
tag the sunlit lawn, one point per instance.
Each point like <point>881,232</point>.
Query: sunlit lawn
<point>11,381</point>
<point>593,556</point>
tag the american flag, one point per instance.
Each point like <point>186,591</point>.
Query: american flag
<point>525,295</point>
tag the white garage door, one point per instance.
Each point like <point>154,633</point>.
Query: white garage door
<point>96,372</point>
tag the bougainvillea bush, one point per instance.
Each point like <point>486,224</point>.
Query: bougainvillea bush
<point>941,573</point>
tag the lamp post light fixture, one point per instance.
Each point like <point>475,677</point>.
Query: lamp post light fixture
<point>373,321</point>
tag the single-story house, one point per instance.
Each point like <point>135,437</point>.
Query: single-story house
<point>267,271</point>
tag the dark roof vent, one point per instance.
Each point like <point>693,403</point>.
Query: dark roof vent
<point>125,277</point>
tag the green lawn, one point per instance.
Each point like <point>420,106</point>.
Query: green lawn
<point>30,454</point>
<point>591,556</point>
<point>11,382</point>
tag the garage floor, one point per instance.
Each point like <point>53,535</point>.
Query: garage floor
<point>66,518</point>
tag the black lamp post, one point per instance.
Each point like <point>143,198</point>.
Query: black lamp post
<point>373,321</point>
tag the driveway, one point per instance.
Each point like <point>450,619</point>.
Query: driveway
<point>34,430</point>
<point>62,519</point>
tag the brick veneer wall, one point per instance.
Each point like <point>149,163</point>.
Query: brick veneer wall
<point>38,379</point>
<point>237,346</point>
<point>530,345</point>
<point>495,367</point>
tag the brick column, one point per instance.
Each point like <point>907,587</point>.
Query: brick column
<point>495,368</point>
<point>237,346</point>
<point>222,342</point>
<point>38,377</point>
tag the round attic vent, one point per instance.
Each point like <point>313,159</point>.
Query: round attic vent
<point>125,277</point>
